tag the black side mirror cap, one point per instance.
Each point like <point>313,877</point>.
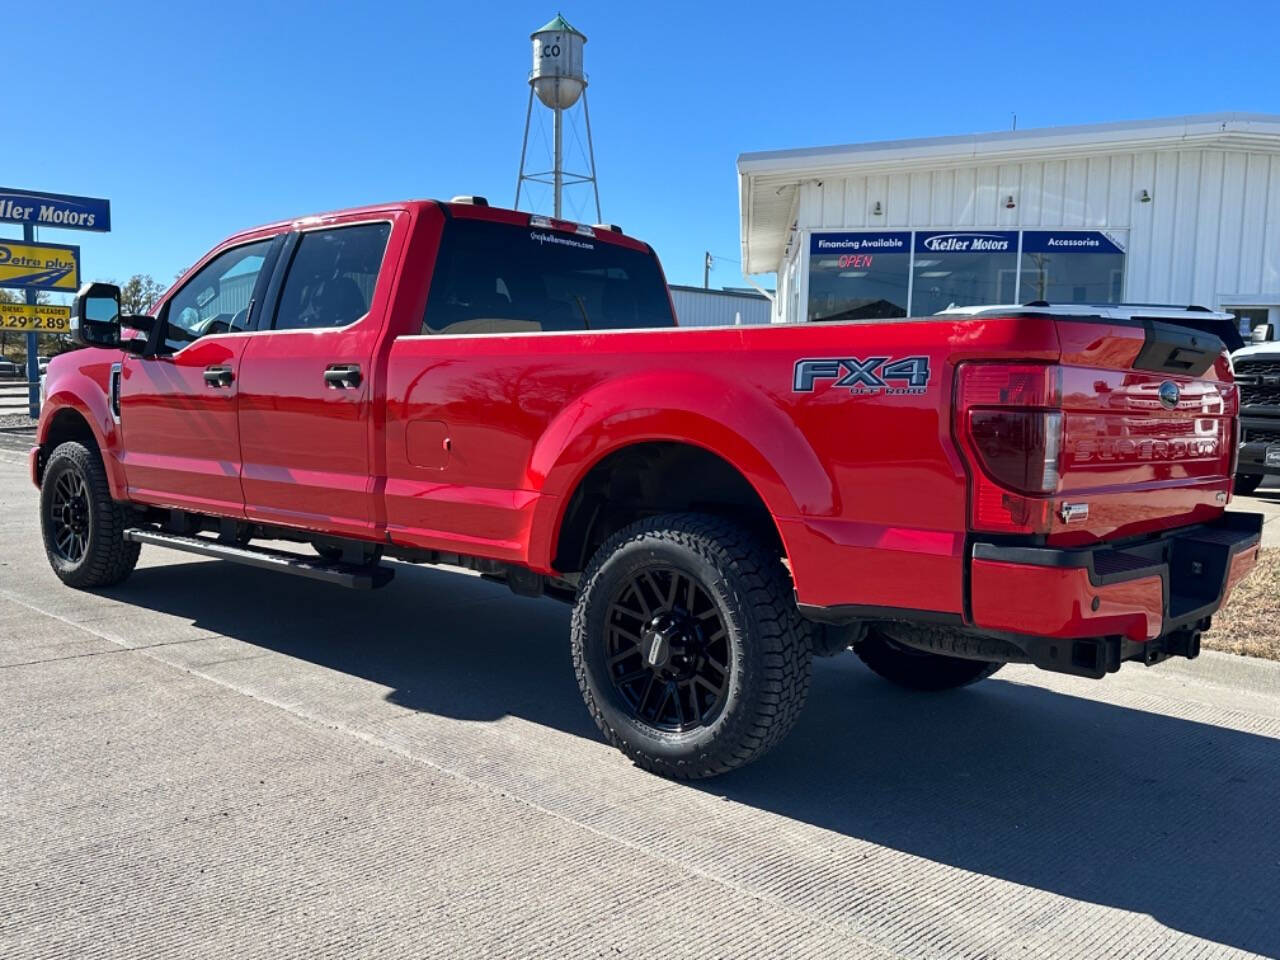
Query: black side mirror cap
<point>95,319</point>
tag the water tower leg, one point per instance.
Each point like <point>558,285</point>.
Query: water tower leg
<point>524,147</point>
<point>591,154</point>
<point>559,171</point>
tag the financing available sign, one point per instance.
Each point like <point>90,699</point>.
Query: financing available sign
<point>35,209</point>
<point>35,317</point>
<point>39,266</point>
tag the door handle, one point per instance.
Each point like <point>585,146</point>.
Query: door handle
<point>342,376</point>
<point>218,376</point>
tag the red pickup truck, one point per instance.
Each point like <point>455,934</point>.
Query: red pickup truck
<point>451,383</point>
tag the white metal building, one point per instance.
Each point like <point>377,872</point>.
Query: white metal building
<point>1182,210</point>
<point>700,307</point>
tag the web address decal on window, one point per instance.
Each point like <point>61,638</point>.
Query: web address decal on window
<point>542,237</point>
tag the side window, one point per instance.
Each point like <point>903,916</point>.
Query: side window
<point>217,298</point>
<point>330,282</point>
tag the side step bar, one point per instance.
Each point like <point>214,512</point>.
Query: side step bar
<point>343,574</point>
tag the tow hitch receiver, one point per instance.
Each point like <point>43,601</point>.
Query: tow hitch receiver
<point>1095,657</point>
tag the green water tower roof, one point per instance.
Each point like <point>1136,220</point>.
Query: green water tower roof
<point>558,24</point>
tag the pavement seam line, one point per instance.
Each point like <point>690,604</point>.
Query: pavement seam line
<point>303,716</point>
<point>120,648</point>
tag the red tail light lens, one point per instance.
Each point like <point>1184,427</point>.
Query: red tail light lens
<point>1018,448</point>
<point>1009,422</point>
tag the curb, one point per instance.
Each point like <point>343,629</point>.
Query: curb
<point>1229,670</point>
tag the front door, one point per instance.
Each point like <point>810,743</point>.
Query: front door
<point>178,402</point>
<point>305,386</point>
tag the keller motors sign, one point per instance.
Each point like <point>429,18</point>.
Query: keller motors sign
<point>985,241</point>
<point>34,209</point>
<point>30,266</point>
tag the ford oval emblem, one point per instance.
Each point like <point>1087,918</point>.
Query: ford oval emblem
<point>1169,394</point>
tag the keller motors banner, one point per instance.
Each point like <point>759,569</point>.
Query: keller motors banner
<point>36,209</point>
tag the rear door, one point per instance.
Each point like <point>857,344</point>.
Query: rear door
<point>305,391</point>
<point>514,315</point>
<point>178,402</point>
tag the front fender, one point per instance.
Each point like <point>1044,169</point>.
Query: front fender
<point>737,423</point>
<point>84,390</point>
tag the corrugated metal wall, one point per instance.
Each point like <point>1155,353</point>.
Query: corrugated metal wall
<point>1209,235</point>
<point>696,307</point>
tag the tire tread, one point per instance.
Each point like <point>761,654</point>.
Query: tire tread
<point>765,593</point>
<point>109,557</point>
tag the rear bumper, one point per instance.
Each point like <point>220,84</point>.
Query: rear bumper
<point>1135,601</point>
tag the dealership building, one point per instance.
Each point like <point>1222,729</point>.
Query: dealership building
<point>1183,210</point>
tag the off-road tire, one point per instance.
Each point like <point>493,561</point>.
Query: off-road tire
<point>769,643</point>
<point>1245,483</point>
<point>107,557</point>
<point>918,669</point>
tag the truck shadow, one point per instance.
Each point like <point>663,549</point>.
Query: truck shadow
<point>1130,809</point>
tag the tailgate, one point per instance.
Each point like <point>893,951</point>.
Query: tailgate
<point>1148,442</point>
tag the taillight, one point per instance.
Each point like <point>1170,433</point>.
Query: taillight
<point>1009,420</point>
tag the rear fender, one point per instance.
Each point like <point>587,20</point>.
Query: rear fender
<point>737,424</point>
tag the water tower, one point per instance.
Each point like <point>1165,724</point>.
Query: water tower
<point>558,80</point>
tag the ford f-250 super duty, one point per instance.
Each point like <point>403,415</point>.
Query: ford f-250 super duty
<point>450,383</point>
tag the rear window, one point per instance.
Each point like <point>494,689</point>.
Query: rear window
<point>503,278</point>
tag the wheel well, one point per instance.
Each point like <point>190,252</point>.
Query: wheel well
<point>647,479</point>
<point>67,424</point>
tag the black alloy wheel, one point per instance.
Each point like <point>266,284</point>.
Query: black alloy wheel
<point>82,527</point>
<point>668,650</point>
<point>690,652</point>
<point>69,516</point>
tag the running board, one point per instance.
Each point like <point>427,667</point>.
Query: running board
<point>355,576</point>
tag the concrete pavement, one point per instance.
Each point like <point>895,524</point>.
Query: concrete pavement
<point>217,761</point>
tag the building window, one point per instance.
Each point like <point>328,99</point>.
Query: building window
<point>859,276</point>
<point>874,276</point>
<point>963,270</point>
<point>1071,267</point>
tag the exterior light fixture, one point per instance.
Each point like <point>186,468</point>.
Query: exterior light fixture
<point>877,210</point>
<point>1008,202</point>
<point>1144,197</point>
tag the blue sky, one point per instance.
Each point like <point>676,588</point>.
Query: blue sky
<point>198,120</point>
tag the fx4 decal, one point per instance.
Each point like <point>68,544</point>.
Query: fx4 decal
<point>910,375</point>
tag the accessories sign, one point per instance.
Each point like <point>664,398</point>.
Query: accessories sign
<point>36,209</point>
<point>1069,241</point>
<point>39,266</point>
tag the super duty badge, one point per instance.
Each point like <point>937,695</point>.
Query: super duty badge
<point>910,375</point>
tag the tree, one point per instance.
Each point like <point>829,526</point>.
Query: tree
<point>138,293</point>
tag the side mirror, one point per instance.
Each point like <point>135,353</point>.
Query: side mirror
<point>95,320</point>
<point>1261,333</point>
